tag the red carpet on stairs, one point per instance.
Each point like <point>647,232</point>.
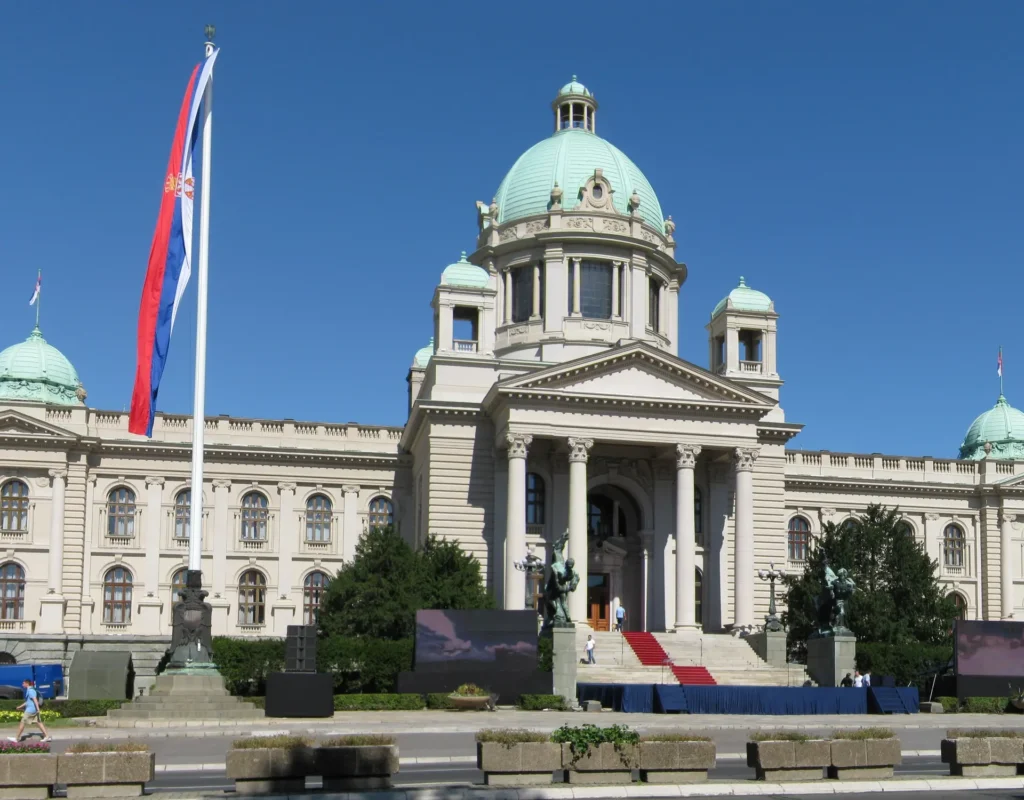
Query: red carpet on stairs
<point>652,654</point>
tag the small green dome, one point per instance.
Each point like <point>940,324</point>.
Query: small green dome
<point>743,298</point>
<point>1002,428</point>
<point>574,87</point>
<point>422,357</point>
<point>569,158</point>
<point>38,372</point>
<point>463,273</point>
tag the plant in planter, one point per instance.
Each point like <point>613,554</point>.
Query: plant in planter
<point>517,757</point>
<point>788,756</point>
<point>27,770</point>
<point>270,764</point>
<point>675,758</point>
<point>470,697</point>
<point>980,752</point>
<point>356,762</point>
<point>864,753</point>
<point>598,755</point>
<point>108,769</point>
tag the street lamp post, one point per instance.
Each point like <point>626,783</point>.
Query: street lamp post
<point>772,621</point>
<point>532,565</point>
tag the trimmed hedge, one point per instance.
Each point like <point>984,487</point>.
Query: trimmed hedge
<point>977,705</point>
<point>69,708</point>
<point>439,701</point>
<point>541,702</point>
<point>950,705</point>
<point>905,662</point>
<point>379,702</point>
<point>246,663</point>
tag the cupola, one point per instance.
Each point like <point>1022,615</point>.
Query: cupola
<point>742,339</point>
<point>575,108</point>
<point>36,371</point>
<point>998,433</point>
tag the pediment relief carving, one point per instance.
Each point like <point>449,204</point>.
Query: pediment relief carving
<point>13,423</point>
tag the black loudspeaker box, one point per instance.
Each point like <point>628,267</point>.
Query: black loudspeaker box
<point>299,694</point>
<point>300,649</point>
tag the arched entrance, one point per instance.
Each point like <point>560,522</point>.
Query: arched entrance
<point>615,559</point>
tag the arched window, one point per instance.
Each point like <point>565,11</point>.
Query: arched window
<point>183,514</point>
<point>177,584</point>
<point>698,515</point>
<point>799,534</point>
<point>698,598</point>
<point>14,507</point>
<point>534,499</point>
<point>313,589</point>
<point>12,591</point>
<point>254,517</point>
<point>117,596</point>
<point>252,598</point>
<point>953,546</point>
<point>905,528</point>
<point>382,513</point>
<point>961,604</point>
<point>121,513</point>
<point>7,660</point>
<point>319,513</point>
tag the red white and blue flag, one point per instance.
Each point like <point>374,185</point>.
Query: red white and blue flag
<point>999,363</point>
<point>35,292</point>
<point>170,256</point>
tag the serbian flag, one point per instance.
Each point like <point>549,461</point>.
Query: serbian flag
<point>35,292</point>
<point>999,363</point>
<point>170,256</point>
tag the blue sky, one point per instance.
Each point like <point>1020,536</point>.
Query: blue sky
<point>860,163</point>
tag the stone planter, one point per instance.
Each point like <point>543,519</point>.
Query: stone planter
<point>276,770</point>
<point>523,764</point>
<point>602,764</point>
<point>977,758</point>
<point>864,759</point>
<point>469,703</point>
<point>27,777</point>
<point>789,761</point>
<point>106,774</point>
<point>676,762</point>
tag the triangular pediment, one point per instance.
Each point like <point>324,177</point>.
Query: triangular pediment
<point>18,425</point>
<point>636,372</point>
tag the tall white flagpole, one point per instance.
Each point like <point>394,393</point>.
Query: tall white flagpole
<point>195,542</point>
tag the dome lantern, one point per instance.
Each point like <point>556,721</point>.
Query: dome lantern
<point>575,107</point>
<point>35,371</point>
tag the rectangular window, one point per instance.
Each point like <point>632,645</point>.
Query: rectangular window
<point>522,294</point>
<point>596,289</point>
<point>653,295</point>
<point>465,329</point>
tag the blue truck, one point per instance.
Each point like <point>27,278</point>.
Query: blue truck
<point>48,679</point>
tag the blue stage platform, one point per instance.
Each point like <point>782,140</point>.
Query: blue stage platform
<point>664,698</point>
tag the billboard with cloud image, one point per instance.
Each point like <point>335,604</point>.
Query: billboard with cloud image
<point>447,639</point>
<point>989,657</point>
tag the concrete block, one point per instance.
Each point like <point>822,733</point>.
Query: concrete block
<point>815,753</point>
<point>928,707</point>
<point>592,705</point>
<point>605,757</point>
<point>848,753</point>
<point>18,769</point>
<point>529,757</point>
<point>659,756</point>
<point>25,792</point>
<point>883,752</point>
<point>860,773</point>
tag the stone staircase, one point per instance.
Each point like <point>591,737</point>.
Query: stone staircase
<point>185,697</point>
<point>730,660</point>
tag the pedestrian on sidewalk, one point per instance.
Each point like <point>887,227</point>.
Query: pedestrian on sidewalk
<point>30,712</point>
<point>590,650</point>
<point>620,617</point>
<point>858,680</point>
<point>867,679</point>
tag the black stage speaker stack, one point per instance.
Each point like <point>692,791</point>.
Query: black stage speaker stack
<point>299,691</point>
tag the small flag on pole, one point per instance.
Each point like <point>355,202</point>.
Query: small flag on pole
<point>35,292</point>
<point>999,361</point>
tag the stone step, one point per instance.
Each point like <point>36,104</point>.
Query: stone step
<point>185,713</point>
<point>178,702</point>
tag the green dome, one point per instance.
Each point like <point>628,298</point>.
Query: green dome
<point>422,357</point>
<point>38,372</point>
<point>743,298</point>
<point>569,158</point>
<point>1001,427</point>
<point>462,273</point>
<point>574,87</point>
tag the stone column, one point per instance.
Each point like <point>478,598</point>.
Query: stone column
<point>90,515</point>
<point>686,540</point>
<point>575,287</point>
<point>219,535</point>
<point>350,524</point>
<point>647,541</point>
<point>616,277</point>
<point>51,611</point>
<point>1006,564</point>
<point>283,606</point>
<point>151,540</point>
<point>743,558</point>
<point>536,291</point>
<point>579,450</point>
<point>515,521</point>
<point>508,296</point>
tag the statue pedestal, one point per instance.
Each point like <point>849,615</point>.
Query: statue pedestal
<point>770,647</point>
<point>830,658</point>
<point>564,662</point>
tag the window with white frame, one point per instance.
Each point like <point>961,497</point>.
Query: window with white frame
<point>953,546</point>
<point>121,513</point>
<point>254,517</point>
<point>799,539</point>
<point>319,513</point>
<point>14,504</point>
<point>183,514</point>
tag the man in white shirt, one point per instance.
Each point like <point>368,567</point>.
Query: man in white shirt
<point>867,679</point>
<point>590,650</point>
<point>858,680</point>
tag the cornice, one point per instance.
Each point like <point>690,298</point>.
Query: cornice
<point>249,454</point>
<point>890,487</point>
<point>699,408</point>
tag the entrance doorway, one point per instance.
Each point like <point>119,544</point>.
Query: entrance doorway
<point>598,601</point>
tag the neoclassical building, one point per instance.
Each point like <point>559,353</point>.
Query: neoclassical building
<point>549,399</point>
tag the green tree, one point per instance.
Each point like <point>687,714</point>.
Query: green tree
<point>451,577</point>
<point>898,598</point>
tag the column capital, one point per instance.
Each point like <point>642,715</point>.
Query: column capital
<point>745,458</point>
<point>58,474</point>
<point>348,489</point>
<point>221,484</point>
<point>286,487</point>
<point>518,444</point>
<point>1007,516</point>
<point>686,455</point>
<point>575,260</point>
<point>931,517</point>
<point>579,450</point>
<point>154,480</point>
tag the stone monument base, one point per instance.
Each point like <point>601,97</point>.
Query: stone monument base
<point>564,662</point>
<point>830,658</point>
<point>770,647</point>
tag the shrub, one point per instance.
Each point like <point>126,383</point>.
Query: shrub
<point>258,702</point>
<point>8,747</point>
<point>378,702</point>
<point>983,733</point>
<point>64,708</point>
<point>108,747</point>
<point>541,702</point>
<point>245,664</point>
<point>986,705</point>
<point>358,740</point>
<point>781,736</point>
<point>545,653</point>
<point>282,742</point>
<point>46,715</point>
<point>510,736</point>
<point>581,739</point>
<point>906,662</point>
<point>438,701</point>
<point>364,666</point>
<point>860,734</point>
<point>470,690</point>
<point>675,737</point>
<point>950,705</point>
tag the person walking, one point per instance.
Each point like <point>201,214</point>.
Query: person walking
<point>858,680</point>
<point>590,650</point>
<point>620,617</point>
<point>847,682</point>
<point>30,712</point>
<point>867,679</point>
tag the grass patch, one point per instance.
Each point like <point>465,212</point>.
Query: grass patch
<point>510,736</point>
<point>674,737</point>
<point>108,747</point>
<point>861,734</point>
<point>272,743</point>
<point>984,733</point>
<point>541,702</point>
<point>781,736</point>
<point>358,740</point>
<point>378,702</point>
